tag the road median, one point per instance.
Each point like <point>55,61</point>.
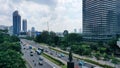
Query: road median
<point>85,59</point>
<point>54,60</point>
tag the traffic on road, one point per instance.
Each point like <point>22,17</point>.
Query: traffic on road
<point>33,57</point>
<point>77,62</point>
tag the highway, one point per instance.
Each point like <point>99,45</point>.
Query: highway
<point>55,54</point>
<point>34,60</point>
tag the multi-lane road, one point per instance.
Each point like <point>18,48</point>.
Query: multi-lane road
<point>34,60</point>
<point>55,54</point>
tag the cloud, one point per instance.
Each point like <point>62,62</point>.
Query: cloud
<point>51,3</point>
<point>60,14</point>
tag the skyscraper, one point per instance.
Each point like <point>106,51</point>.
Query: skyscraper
<point>100,19</point>
<point>24,25</point>
<point>16,23</point>
<point>33,31</point>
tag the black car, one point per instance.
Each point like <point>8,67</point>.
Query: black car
<point>31,54</point>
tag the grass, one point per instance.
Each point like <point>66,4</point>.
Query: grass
<point>64,66</point>
<point>57,62</point>
<point>58,51</point>
<point>87,60</point>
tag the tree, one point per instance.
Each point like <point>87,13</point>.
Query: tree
<point>11,59</point>
<point>98,55</point>
<point>65,33</point>
<point>112,45</point>
<point>12,46</point>
<point>73,38</point>
<point>114,60</point>
<point>52,36</point>
<point>56,40</point>
<point>10,56</point>
<point>14,39</point>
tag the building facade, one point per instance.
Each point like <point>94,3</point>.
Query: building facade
<point>24,25</point>
<point>33,32</point>
<point>10,30</point>
<point>100,21</point>
<point>16,23</point>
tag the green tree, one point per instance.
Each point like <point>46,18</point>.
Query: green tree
<point>11,59</point>
<point>12,46</point>
<point>114,60</point>
<point>73,38</point>
<point>98,55</point>
<point>14,39</point>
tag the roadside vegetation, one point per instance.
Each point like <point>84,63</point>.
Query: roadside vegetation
<point>10,51</point>
<point>87,60</point>
<point>100,50</point>
<point>56,61</point>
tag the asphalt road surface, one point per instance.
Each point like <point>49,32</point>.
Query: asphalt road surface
<point>55,54</point>
<point>34,58</point>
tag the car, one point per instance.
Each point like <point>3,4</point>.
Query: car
<point>59,55</point>
<point>40,62</point>
<point>40,58</point>
<point>41,49</point>
<point>46,50</point>
<point>30,47</point>
<point>96,67</point>
<point>31,54</point>
<point>31,51</point>
<point>81,63</point>
<point>62,55</point>
<point>51,53</point>
<point>24,48</point>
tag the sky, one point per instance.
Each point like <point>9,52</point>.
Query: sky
<point>59,14</point>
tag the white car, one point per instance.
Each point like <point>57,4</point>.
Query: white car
<point>40,62</point>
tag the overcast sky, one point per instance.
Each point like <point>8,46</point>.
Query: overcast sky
<point>60,14</point>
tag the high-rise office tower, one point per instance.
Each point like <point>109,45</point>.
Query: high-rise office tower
<point>24,25</point>
<point>33,32</point>
<point>16,23</point>
<point>100,19</point>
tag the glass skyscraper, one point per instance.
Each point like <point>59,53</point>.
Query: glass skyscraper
<point>100,19</point>
<point>24,25</point>
<point>16,23</point>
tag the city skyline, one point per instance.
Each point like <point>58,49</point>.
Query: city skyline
<point>65,15</point>
<point>16,23</point>
<point>24,25</point>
